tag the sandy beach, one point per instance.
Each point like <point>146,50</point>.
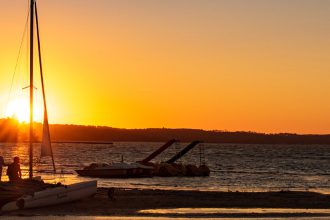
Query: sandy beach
<point>192,204</point>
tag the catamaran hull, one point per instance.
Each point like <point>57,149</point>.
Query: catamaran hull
<point>53,196</point>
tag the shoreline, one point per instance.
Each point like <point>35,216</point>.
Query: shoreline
<point>188,203</point>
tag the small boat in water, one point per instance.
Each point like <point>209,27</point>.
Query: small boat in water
<point>145,168</point>
<point>124,170</point>
<point>117,170</point>
<point>170,168</point>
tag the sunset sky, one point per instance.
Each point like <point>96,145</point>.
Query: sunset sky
<point>257,65</point>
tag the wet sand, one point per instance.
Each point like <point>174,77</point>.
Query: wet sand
<point>196,204</point>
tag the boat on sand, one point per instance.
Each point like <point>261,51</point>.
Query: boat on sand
<point>46,195</point>
<point>33,192</point>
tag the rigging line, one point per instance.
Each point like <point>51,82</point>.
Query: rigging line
<point>19,55</point>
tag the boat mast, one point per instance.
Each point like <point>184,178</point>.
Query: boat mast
<point>31,89</point>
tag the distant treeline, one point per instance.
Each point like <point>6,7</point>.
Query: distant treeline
<point>11,131</point>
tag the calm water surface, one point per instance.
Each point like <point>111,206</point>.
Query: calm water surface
<point>233,166</point>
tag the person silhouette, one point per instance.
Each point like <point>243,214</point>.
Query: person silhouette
<point>14,170</point>
<point>2,164</point>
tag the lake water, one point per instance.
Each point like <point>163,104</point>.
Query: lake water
<point>233,166</point>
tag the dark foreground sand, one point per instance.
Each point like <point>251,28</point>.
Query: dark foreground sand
<point>135,202</point>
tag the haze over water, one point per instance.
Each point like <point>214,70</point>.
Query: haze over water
<point>233,166</point>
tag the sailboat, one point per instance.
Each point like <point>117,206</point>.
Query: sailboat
<point>43,194</point>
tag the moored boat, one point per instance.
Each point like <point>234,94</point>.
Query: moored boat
<point>145,168</point>
<point>124,170</point>
<point>116,170</point>
<point>170,168</point>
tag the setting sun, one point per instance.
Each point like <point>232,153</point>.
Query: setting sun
<point>19,109</point>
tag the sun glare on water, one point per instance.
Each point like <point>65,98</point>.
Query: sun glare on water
<point>19,109</point>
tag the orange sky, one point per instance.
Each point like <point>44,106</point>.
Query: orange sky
<point>235,64</point>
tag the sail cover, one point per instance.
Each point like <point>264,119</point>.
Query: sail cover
<point>46,148</point>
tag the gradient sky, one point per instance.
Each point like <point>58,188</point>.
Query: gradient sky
<point>258,65</point>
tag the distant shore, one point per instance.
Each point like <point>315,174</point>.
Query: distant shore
<point>172,203</point>
<point>12,131</point>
